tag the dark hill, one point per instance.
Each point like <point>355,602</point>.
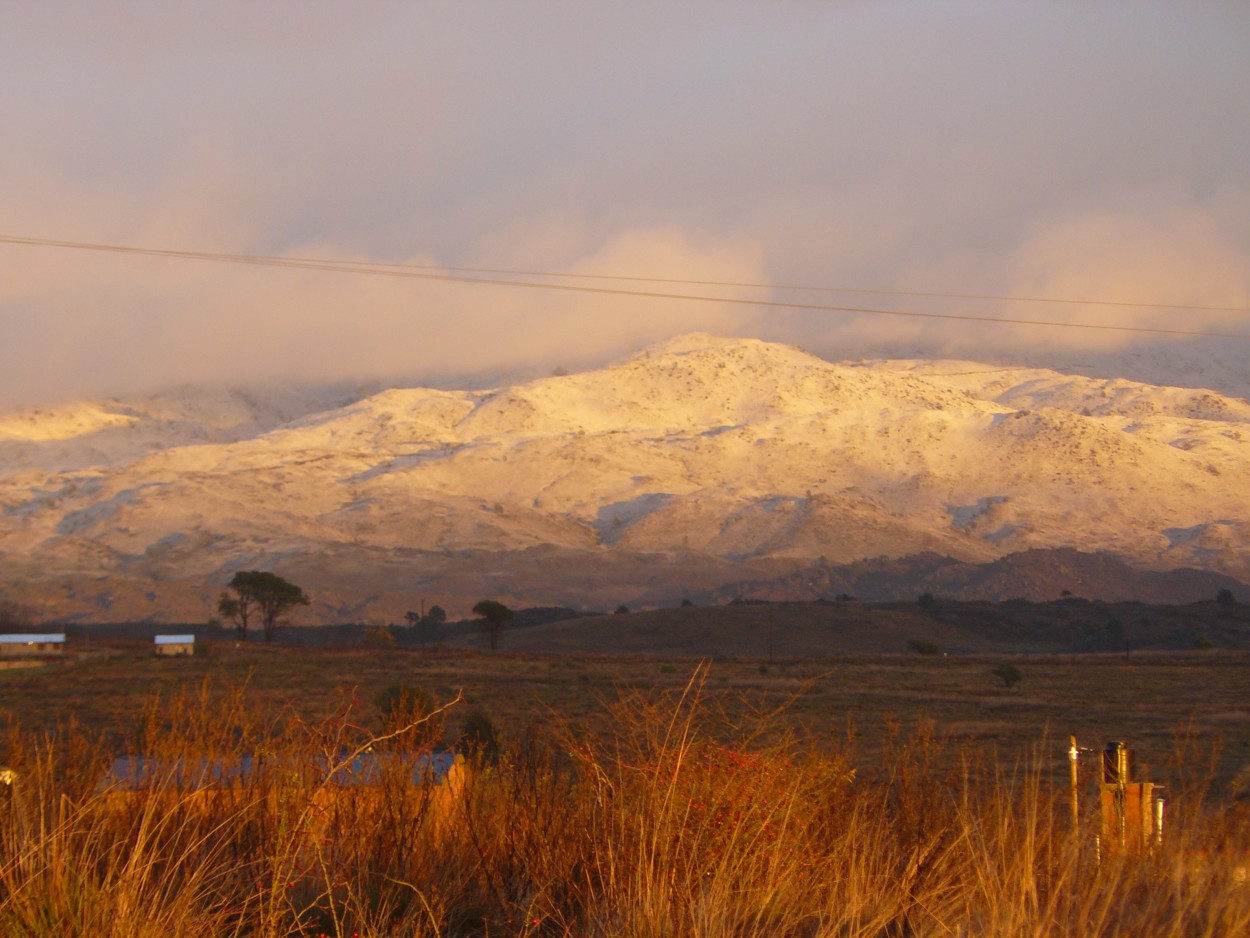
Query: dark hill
<point>812,629</point>
<point>1035,575</point>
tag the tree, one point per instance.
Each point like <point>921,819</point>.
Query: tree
<point>428,626</point>
<point>1225,597</point>
<point>495,618</point>
<point>379,637</point>
<point>260,594</point>
<point>238,609</point>
<point>432,624</point>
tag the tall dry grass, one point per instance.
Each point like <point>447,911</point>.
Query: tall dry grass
<point>680,823</point>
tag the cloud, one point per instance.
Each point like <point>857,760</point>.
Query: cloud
<point>98,323</point>
<point>1180,254</point>
<point>968,147</point>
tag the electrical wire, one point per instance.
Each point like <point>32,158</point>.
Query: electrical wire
<point>463,275</point>
<point>928,294</point>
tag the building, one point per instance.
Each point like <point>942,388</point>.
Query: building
<point>170,645</point>
<point>333,793</point>
<point>32,645</point>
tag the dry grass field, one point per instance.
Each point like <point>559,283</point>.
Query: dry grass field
<point>1166,704</point>
<point>857,796</point>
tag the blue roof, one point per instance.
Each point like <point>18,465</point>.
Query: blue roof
<point>130,773</point>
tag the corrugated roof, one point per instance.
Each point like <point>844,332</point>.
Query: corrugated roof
<point>29,638</point>
<point>174,639</point>
<point>129,773</point>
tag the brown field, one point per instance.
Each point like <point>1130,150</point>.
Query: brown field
<point>1168,705</point>
<point>636,795</point>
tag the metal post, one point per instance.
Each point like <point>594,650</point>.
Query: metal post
<point>1158,805</point>
<point>1074,755</point>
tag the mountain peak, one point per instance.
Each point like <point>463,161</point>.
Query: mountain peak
<point>717,458</point>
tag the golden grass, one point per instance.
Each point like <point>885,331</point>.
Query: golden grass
<point>685,819</point>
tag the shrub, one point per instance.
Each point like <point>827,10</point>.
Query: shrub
<point>1009,674</point>
<point>411,715</point>
<point>922,647</point>
<point>479,737</point>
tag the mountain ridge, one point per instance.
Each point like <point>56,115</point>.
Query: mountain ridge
<point>707,454</point>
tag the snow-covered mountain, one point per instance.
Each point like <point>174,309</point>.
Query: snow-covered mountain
<point>698,462</point>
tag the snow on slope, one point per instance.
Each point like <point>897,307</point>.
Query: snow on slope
<point>735,448</point>
<point>105,433</point>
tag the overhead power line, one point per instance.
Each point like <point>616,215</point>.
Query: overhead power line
<point>475,276</point>
<point>928,294</point>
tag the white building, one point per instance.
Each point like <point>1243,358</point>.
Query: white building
<point>32,645</point>
<point>169,645</point>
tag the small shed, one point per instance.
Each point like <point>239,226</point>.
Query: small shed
<point>32,645</point>
<point>170,645</point>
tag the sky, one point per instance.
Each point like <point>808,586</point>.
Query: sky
<point>1061,150</point>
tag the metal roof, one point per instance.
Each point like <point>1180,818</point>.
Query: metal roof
<point>32,638</point>
<point>129,773</point>
<point>174,639</point>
